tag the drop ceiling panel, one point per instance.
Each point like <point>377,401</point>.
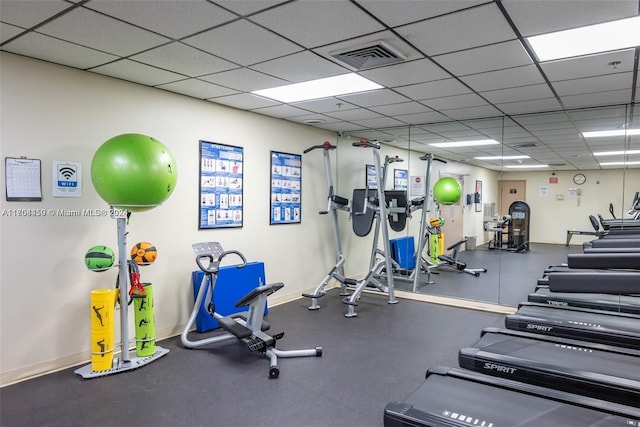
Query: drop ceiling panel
<point>516,94</point>
<point>531,106</point>
<point>407,73</point>
<point>91,29</point>
<point>588,66</point>
<point>300,67</point>
<point>466,29</point>
<point>139,73</point>
<point>281,111</point>
<point>609,82</point>
<point>326,105</point>
<point>8,31</point>
<point>487,58</point>
<point>591,100</point>
<point>382,122</point>
<point>374,98</point>
<point>183,59</point>
<point>507,78</point>
<point>400,108</point>
<point>312,23</point>
<point>248,7</point>
<point>436,89</point>
<point>243,37</point>
<point>532,19</point>
<point>244,79</point>
<point>59,51</point>
<point>356,114</point>
<point>244,101</point>
<point>395,13</point>
<point>173,18</point>
<point>419,118</point>
<point>470,112</point>
<point>197,88</point>
<point>28,14</point>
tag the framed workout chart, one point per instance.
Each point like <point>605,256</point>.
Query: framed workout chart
<point>371,178</point>
<point>220,196</point>
<point>286,188</point>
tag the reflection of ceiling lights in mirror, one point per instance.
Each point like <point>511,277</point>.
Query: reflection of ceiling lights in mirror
<point>464,143</point>
<point>501,157</point>
<point>619,163</point>
<point>604,37</point>
<point>321,88</point>
<point>616,153</point>
<point>526,166</point>
<point>615,132</point>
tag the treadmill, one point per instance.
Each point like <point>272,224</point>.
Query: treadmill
<point>595,370</point>
<point>606,327</point>
<point>457,397</point>
<point>606,302</point>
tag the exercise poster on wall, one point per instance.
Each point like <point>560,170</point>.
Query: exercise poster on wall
<point>400,179</point>
<point>286,188</point>
<point>221,169</point>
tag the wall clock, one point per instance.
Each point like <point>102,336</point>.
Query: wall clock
<point>579,178</point>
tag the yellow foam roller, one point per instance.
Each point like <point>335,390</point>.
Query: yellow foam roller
<point>102,308</point>
<point>101,350</point>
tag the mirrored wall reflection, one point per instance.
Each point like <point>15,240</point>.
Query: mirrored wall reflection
<point>527,185</point>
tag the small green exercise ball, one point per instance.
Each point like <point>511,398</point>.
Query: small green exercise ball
<point>133,172</point>
<point>447,191</point>
<point>99,258</point>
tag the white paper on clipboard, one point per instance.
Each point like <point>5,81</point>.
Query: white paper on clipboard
<point>23,179</point>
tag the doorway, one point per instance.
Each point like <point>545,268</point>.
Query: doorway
<point>510,191</point>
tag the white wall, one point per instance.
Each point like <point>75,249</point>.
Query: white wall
<point>50,112</point>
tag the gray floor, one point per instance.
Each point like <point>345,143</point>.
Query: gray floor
<point>368,361</point>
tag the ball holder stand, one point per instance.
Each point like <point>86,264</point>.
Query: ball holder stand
<point>124,361</point>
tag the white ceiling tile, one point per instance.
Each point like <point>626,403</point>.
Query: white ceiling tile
<point>436,89</point>
<point>343,127</point>
<point>244,79</point>
<point>313,116</point>
<point>457,31</point>
<point>455,101</point>
<point>91,29</point>
<point>58,51</point>
<point>243,43</point>
<point>401,108</point>
<point>471,112</point>
<point>395,13</point>
<point>307,22</point>
<point>501,79</point>
<point>357,114</point>
<point>183,59</point>
<point>420,118</point>
<point>8,31</point>
<point>374,98</point>
<point>172,18</point>
<point>487,58</point>
<point>529,106</point>
<point>378,123</point>
<point>407,73</point>
<point>533,17</point>
<point>515,94</point>
<point>197,89</point>
<point>610,82</point>
<point>136,72</point>
<point>244,101</point>
<point>588,66</point>
<point>592,99</point>
<point>281,111</point>
<point>300,67</point>
<point>247,7</point>
<point>325,105</point>
<point>27,14</point>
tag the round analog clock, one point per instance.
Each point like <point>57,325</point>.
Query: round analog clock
<point>579,178</point>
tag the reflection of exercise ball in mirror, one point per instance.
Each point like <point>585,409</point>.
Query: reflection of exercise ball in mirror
<point>133,172</point>
<point>447,191</point>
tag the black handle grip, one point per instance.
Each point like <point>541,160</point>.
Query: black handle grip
<point>213,266</point>
<point>365,144</point>
<point>225,253</point>
<point>326,146</point>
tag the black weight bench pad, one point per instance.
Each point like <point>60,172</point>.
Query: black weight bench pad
<point>595,281</point>
<point>229,324</point>
<point>604,260</point>
<point>361,223</point>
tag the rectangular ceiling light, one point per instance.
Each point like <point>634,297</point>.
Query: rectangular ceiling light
<point>464,143</point>
<point>616,153</point>
<point>526,166</point>
<point>321,88</point>
<point>501,157</point>
<point>615,132</point>
<point>608,36</point>
<point>619,163</point>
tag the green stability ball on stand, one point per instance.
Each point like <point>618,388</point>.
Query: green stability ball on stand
<point>447,191</point>
<point>133,172</point>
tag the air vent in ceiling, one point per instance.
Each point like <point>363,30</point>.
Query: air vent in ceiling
<point>372,55</point>
<point>524,145</point>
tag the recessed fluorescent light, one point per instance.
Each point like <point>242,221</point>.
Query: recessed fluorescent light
<point>615,132</point>
<point>501,157</point>
<point>616,153</point>
<point>526,166</point>
<point>464,143</point>
<point>321,88</point>
<point>619,163</point>
<point>615,35</point>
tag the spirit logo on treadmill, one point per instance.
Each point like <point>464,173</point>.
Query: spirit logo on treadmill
<point>542,328</point>
<point>499,368</point>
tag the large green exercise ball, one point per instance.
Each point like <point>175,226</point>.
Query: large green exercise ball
<point>133,172</point>
<point>447,191</point>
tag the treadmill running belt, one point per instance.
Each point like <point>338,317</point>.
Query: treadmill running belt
<point>619,329</point>
<point>456,397</point>
<point>596,370</point>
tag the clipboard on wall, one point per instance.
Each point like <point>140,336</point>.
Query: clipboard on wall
<point>23,179</point>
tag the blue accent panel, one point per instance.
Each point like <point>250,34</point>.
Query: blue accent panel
<point>402,251</point>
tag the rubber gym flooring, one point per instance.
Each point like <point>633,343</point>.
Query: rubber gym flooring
<point>368,361</point>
